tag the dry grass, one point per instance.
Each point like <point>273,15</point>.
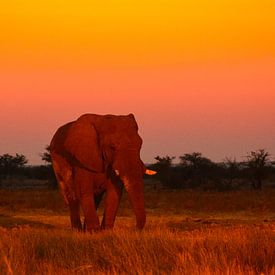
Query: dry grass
<point>187,232</point>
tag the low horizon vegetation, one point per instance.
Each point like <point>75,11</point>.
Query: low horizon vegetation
<point>193,171</point>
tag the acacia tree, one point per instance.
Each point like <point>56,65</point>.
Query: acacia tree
<point>9,164</point>
<point>257,163</point>
<point>198,167</point>
<point>194,160</point>
<point>46,156</point>
<point>232,169</point>
<point>164,168</point>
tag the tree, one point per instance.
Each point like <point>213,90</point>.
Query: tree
<point>46,156</point>
<point>232,169</point>
<point>257,163</point>
<point>195,160</point>
<point>164,162</point>
<point>164,168</point>
<point>197,168</point>
<point>9,164</point>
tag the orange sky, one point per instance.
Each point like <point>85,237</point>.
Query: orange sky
<point>198,76</point>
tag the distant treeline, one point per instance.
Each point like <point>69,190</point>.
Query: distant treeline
<point>192,171</point>
<point>196,171</point>
<point>16,167</point>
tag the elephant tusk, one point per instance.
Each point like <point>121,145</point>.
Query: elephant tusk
<point>117,172</point>
<point>150,172</point>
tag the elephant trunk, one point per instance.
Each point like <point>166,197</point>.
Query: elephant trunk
<point>136,196</point>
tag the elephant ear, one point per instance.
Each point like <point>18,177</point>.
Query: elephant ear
<point>82,143</point>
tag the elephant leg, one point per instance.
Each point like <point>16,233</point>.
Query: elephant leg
<point>75,215</point>
<point>63,173</point>
<point>98,199</point>
<point>84,181</point>
<point>91,222</point>
<point>111,203</point>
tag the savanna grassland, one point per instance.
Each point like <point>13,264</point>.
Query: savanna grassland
<point>187,232</point>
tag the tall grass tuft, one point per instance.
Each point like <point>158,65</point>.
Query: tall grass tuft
<point>188,232</point>
<point>236,250</point>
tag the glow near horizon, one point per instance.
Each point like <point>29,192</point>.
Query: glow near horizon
<point>199,76</point>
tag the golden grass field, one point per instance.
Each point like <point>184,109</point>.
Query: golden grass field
<point>187,232</point>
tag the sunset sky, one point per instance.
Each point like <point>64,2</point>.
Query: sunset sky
<point>199,75</point>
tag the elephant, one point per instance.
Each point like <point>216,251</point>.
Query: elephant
<point>96,156</point>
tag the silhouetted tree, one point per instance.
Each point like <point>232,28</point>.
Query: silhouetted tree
<point>232,169</point>
<point>164,168</point>
<point>194,160</point>
<point>9,164</point>
<point>46,156</point>
<point>257,163</point>
<point>165,162</point>
<point>198,168</point>
<point>47,168</point>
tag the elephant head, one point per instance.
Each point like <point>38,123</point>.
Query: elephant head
<point>111,144</point>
